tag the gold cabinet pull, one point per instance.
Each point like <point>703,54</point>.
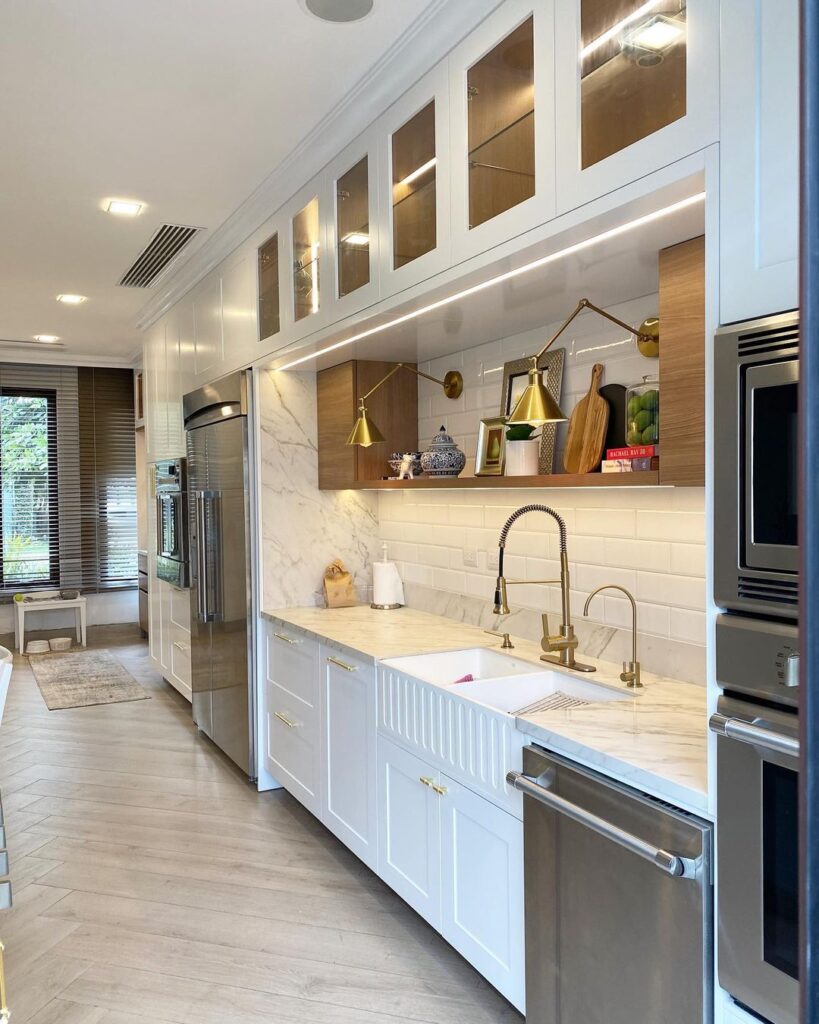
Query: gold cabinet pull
<point>342,664</point>
<point>286,639</point>
<point>180,646</point>
<point>427,781</point>
<point>440,790</point>
<point>287,721</point>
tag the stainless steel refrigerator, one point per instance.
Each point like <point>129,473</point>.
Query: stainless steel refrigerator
<point>219,480</point>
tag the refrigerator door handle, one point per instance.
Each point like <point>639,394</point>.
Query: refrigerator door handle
<point>201,558</point>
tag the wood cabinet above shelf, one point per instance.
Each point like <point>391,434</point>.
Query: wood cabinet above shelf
<point>644,479</point>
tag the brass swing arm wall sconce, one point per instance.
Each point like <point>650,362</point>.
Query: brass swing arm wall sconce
<point>365,432</point>
<point>536,406</point>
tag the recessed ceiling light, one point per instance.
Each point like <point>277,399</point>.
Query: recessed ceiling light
<point>72,300</point>
<point>123,207</point>
<point>339,10</point>
<point>46,339</point>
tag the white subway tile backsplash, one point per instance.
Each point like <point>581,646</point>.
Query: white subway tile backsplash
<point>642,554</point>
<point>607,522</point>
<point>683,527</point>
<point>688,559</point>
<point>687,624</point>
<point>682,591</point>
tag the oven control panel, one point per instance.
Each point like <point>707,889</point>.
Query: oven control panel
<point>759,658</point>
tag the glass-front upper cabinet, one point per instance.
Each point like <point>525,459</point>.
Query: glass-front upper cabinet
<point>268,273</point>
<point>353,228</point>
<point>637,88</point>
<point>415,201</point>
<point>502,89</point>
<point>306,230</point>
<point>414,181</point>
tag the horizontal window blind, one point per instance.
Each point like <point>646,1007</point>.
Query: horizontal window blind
<point>68,478</point>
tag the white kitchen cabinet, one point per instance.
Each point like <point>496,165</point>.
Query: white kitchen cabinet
<point>503,129</point>
<point>631,96</point>
<point>179,628</point>
<point>409,829</point>
<point>293,714</point>
<point>457,859</point>
<point>307,302</point>
<point>239,328</point>
<point>482,908</point>
<point>759,158</point>
<point>414,136</point>
<point>207,324</point>
<point>353,230</point>
<point>348,752</point>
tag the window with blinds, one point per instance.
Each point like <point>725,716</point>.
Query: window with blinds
<point>68,479</point>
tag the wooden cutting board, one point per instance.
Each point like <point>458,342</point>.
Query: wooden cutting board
<point>586,438</point>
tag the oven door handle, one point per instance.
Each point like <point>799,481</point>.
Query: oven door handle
<point>754,735</point>
<point>670,863</point>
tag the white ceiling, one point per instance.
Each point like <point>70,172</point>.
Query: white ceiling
<point>186,105</point>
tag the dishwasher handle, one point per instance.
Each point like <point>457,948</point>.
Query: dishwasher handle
<point>671,863</point>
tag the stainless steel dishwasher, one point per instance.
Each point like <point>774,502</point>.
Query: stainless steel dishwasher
<point>618,901</point>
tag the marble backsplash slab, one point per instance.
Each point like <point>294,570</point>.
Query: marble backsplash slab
<point>662,655</point>
<point>303,528</point>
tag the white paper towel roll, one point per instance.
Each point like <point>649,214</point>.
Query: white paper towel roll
<point>387,585</point>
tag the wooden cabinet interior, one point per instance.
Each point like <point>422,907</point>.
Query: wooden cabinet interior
<point>682,363</point>
<point>394,408</point>
<point>632,84</point>
<point>353,228</point>
<point>501,119</point>
<point>414,215</point>
<point>269,318</point>
<point>306,258</point>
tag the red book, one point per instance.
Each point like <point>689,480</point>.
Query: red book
<point>637,451</point>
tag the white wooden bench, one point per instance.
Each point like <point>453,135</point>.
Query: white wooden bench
<point>22,607</point>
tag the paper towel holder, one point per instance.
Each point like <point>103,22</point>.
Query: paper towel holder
<point>384,607</point>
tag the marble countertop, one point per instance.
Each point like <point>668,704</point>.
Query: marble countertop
<point>655,741</point>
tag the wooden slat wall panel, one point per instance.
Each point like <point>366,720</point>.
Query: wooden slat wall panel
<point>682,363</point>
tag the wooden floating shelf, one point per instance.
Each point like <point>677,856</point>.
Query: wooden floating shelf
<point>646,478</point>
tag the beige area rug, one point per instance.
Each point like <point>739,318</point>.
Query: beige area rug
<point>80,679</point>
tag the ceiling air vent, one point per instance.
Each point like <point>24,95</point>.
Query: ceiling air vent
<point>166,244</point>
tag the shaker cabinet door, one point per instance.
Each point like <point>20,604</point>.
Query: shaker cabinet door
<point>759,159</point>
<point>409,830</point>
<point>482,896</point>
<point>348,752</point>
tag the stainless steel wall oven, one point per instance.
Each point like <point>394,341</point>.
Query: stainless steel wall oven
<point>757,724</point>
<point>172,560</point>
<point>755,449</point>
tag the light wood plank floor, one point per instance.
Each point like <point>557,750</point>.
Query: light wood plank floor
<point>152,883</point>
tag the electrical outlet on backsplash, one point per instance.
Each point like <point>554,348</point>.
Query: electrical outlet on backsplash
<point>651,541</point>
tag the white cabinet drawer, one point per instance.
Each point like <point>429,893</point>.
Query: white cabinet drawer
<point>181,659</point>
<point>473,744</point>
<point>292,745</point>
<point>293,664</point>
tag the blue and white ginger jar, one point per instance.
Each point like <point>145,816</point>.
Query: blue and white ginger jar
<point>443,457</point>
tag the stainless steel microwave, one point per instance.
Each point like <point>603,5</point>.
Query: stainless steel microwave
<point>756,386</point>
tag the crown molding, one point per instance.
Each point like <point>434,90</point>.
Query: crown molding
<point>441,27</point>
<point>63,358</point>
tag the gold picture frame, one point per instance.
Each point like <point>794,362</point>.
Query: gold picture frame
<point>491,456</point>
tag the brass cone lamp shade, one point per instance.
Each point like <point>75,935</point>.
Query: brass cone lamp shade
<point>365,432</point>
<point>536,406</point>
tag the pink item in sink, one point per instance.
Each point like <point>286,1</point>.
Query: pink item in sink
<point>468,678</point>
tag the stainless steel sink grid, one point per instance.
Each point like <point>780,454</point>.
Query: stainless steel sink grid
<point>556,701</point>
